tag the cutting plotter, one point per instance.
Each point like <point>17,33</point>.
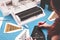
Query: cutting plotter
<point>28,15</point>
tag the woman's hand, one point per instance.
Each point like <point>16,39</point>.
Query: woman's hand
<point>43,24</point>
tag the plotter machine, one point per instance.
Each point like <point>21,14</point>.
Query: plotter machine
<point>23,11</point>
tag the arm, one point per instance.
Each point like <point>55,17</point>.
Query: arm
<point>44,26</point>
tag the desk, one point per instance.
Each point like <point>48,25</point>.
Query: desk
<point>12,36</point>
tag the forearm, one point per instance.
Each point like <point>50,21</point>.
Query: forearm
<point>45,27</point>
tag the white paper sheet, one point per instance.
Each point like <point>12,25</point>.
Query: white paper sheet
<point>23,35</point>
<point>1,20</point>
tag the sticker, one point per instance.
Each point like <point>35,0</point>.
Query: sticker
<point>53,16</point>
<point>9,28</point>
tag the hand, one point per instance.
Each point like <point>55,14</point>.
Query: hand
<point>43,25</point>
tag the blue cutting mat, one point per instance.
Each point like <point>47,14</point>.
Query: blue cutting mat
<point>12,36</point>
